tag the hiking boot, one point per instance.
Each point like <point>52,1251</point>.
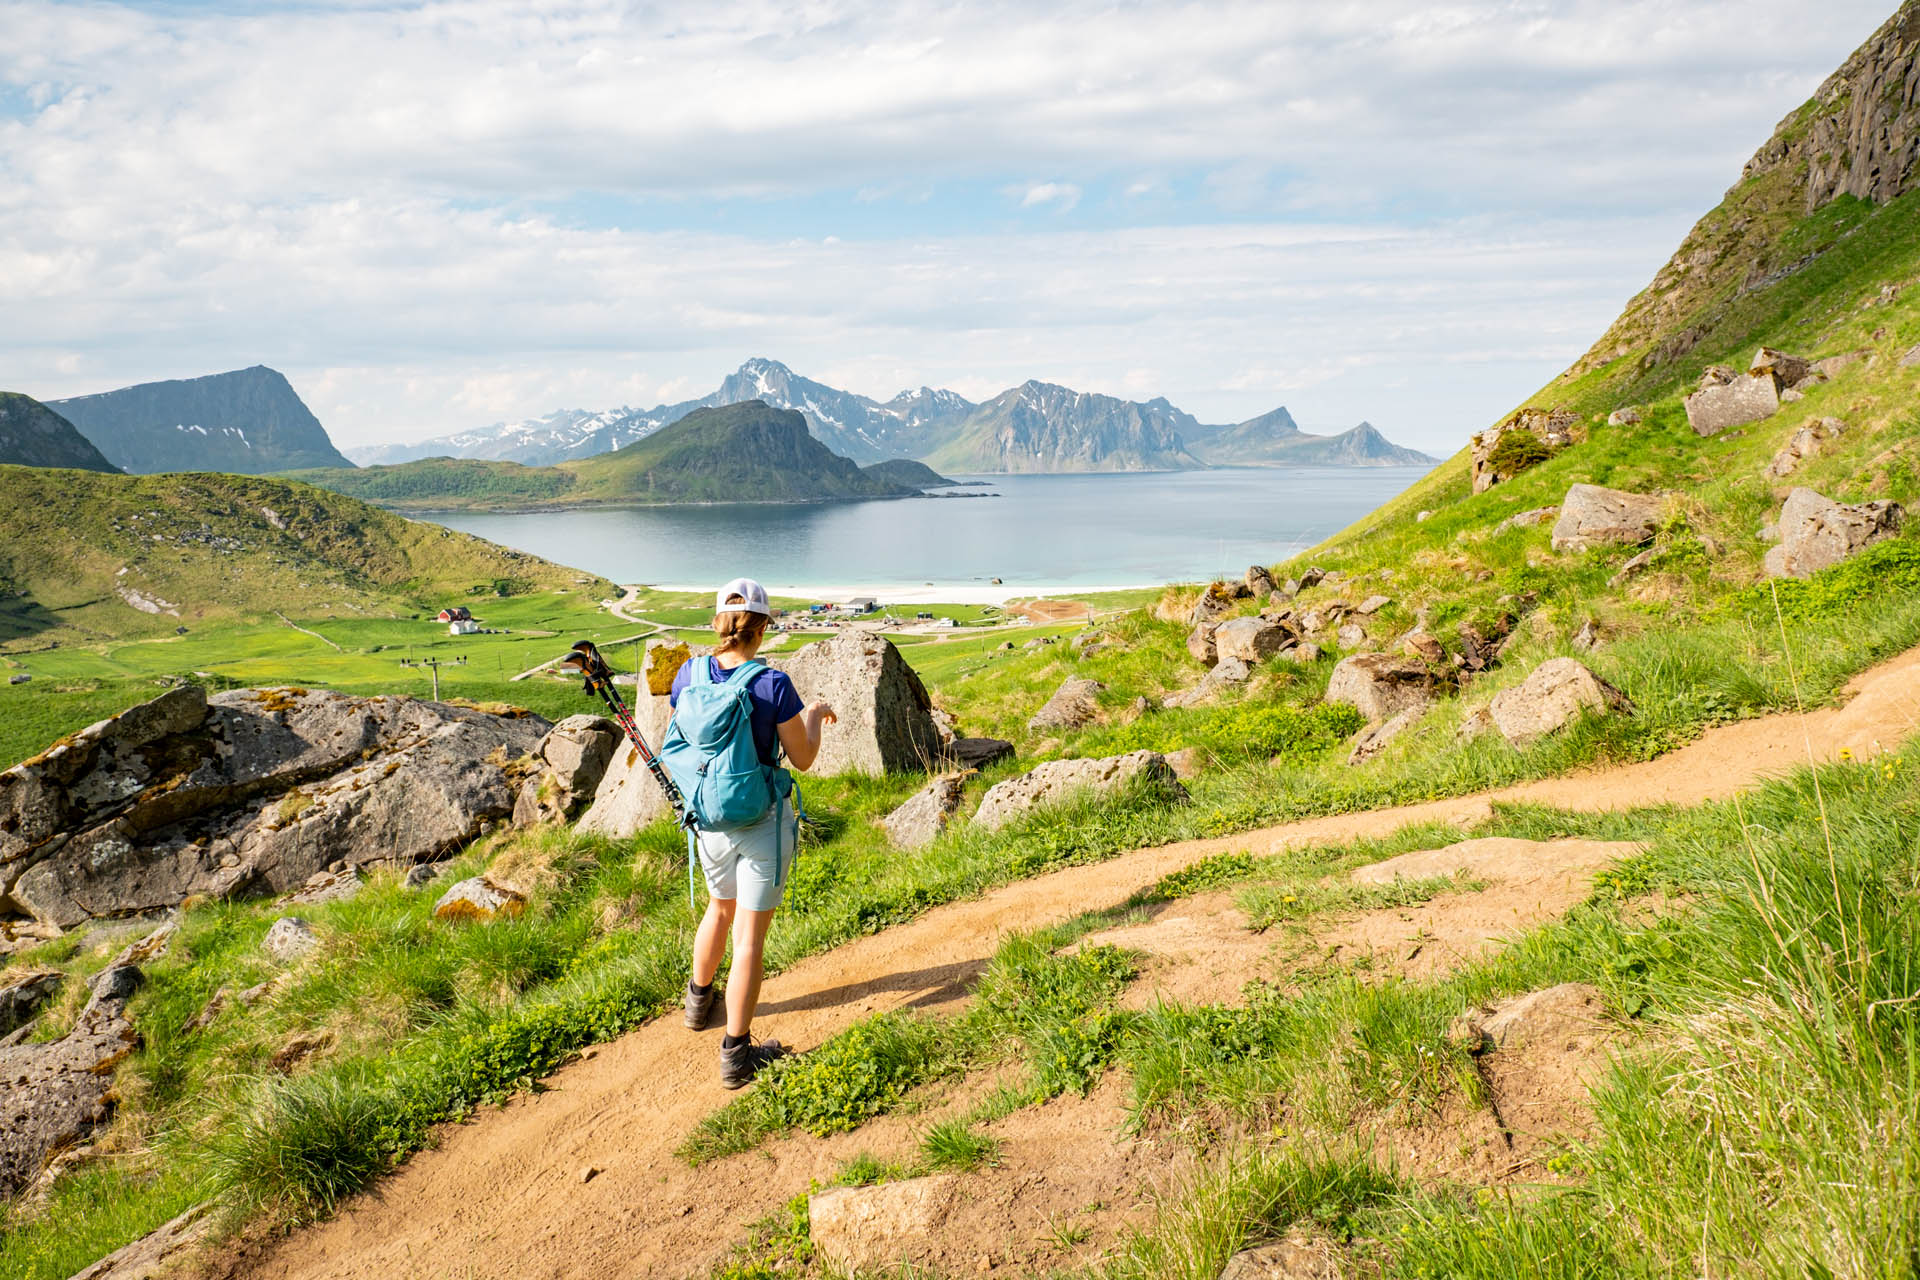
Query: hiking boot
<point>743,1062</point>
<point>700,1007</point>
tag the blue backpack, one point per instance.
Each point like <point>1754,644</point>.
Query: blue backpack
<point>710,755</point>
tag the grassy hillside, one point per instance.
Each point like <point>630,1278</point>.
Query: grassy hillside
<point>1756,961</point>
<point>744,452</point>
<point>91,556</point>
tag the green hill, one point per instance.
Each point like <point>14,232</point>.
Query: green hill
<point>747,452</point>
<point>32,435</point>
<point>908,474</point>
<point>87,555</point>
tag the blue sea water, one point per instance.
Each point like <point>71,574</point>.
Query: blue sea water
<point>1081,532</point>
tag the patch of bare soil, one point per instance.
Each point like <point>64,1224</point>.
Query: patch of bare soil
<point>1053,610</point>
<point>1068,1184</point>
<point>1527,883</point>
<point>1196,950</point>
<point>501,1196</point>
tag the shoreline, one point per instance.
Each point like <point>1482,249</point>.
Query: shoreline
<point>923,593</point>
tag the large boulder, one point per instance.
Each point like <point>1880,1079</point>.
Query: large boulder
<point>1251,639</point>
<point>1591,516</point>
<point>1817,533</point>
<point>251,791</point>
<point>1058,780</point>
<point>59,1093</point>
<point>1733,401</point>
<point>1382,685</point>
<point>1787,370</point>
<point>629,797</point>
<point>885,716</point>
<point>1554,694</point>
<point>575,753</point>
<point>873,1228</point>
<point>1260,582</point>
<point>1073,705</point>
<point>919,822</point>
<point>1552,427</point>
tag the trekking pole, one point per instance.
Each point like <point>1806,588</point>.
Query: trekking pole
<point>586,660</point>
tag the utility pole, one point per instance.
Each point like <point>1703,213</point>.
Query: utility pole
<point>433,665</point>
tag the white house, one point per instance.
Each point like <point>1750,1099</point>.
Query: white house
<point>462,627</point>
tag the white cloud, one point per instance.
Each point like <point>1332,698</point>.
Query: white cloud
<point>1064,194</point>
<point>1434,206</point>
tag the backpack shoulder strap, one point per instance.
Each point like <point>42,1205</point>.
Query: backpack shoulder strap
<point>747,671</point>
<point>702,670</point>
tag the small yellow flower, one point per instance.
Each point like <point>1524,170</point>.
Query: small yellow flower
<point>1289,898</point>
<point>1846,753</point>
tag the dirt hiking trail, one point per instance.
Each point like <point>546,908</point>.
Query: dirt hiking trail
<point>502,1195</point>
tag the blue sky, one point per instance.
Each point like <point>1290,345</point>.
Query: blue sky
<point>436,216</point>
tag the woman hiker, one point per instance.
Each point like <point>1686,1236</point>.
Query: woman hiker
<point>746,866</point>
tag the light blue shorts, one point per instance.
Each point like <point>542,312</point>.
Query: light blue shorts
<point>749,865</point>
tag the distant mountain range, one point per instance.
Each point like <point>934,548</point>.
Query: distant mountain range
<point>1037,426</point>
<point>248,422</point>
<point>746,452</point>
<point>32,435</point>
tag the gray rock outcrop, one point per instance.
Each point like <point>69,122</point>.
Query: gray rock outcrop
<point>1526,519</point>
<point>1375,737</point>
<point>1552,427</point>
<point>1382,685</point>
<point>1073,705</point>
<point>1803,444</point>
<point>1058,780</point>
<point>249,792</point>
<point>1227,672</point>
<point>1554,695</point>
<point>1817,533</point>
<point>885,716</point>
<point>574,755</point>
<point>59,1093</point>
<point>1252,639</point>
<point>1732,402</point>
<point>1623,417</point>
<point>920,820</point>
<point>1260,581</point>
<point>1591,516</point>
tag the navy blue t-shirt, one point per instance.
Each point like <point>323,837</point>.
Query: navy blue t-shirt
<point>772,696</point>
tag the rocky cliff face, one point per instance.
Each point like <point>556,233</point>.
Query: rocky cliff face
<point>249,422</point>
<point>1858,136</point>
<point>32,435</point>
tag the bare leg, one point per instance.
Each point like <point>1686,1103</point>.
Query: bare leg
<point>710,943</point>
<point>743,979</point>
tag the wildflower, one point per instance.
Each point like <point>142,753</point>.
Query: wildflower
<point>1846,753</point>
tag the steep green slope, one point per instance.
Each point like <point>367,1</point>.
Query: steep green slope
<point>85,555</point>
<point>249,421</point>
<point>32,435</point>
<point>747,452</point>
<point>1815,250</point>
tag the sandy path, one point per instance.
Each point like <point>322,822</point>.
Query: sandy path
<point>502,1196</point>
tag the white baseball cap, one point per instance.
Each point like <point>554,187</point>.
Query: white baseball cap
<point>750,592</point>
